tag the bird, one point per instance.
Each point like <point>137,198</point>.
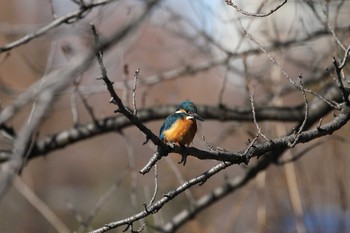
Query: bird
<point>180,127</point>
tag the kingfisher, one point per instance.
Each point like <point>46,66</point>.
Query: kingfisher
<point>180,127</point>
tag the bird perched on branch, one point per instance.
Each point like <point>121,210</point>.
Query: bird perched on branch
<point>181,126</point>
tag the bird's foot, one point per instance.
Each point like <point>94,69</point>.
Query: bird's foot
<point>183,159</point>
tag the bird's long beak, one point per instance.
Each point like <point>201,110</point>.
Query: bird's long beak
<point>196,116</point>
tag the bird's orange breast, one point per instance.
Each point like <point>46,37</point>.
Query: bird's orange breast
<point>182,132</point>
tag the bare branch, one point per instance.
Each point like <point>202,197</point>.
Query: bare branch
<point>230,3</point>
<point>301,128</point>
<point>69,18</point>
<point>345,58</point>
<point>136,75</point>
<point>254,115</point>
<point>155,187</point>
<point>339,80</point>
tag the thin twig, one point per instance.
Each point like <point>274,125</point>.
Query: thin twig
<point>344,92</point>
<point>254,115</point>
<point>306,113</point>
<point>136,75</point>
<point>230,3</point>
<point>125,86</point>
<point>285,74</point>
<point>156,186</point>
<point>345,58</point>
<point>69,18</point>
<point>330,27</point>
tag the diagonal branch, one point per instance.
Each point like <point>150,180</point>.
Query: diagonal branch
<point>105,44</point>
